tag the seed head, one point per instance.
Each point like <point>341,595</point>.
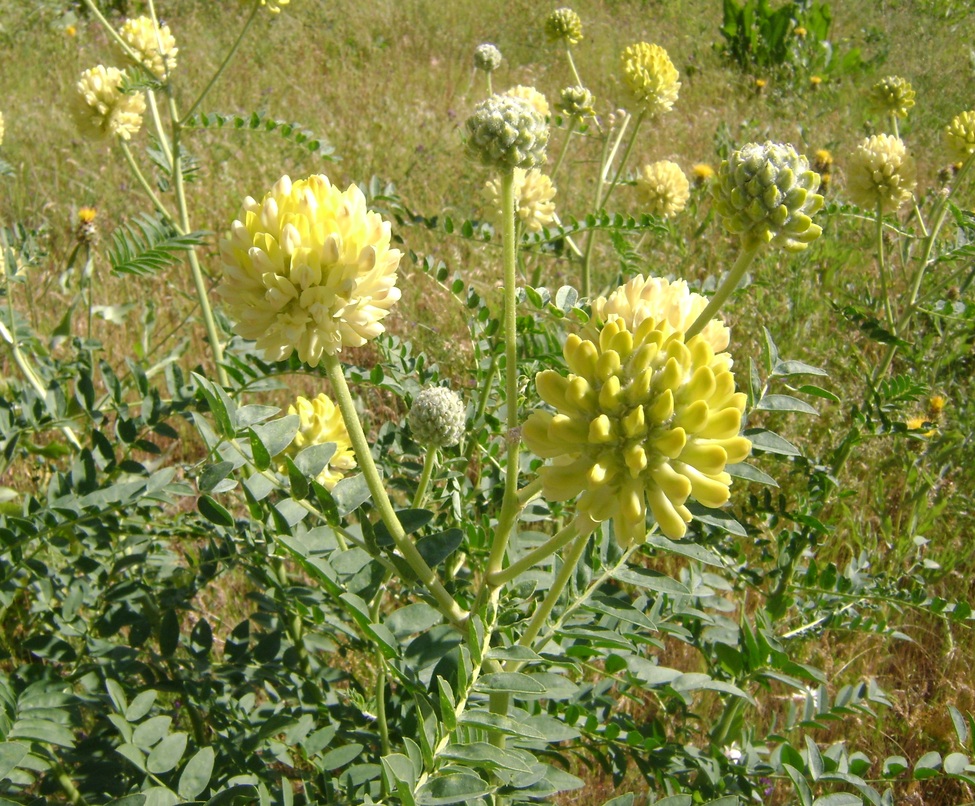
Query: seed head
<point>507,133</point>
<point>438,417</point>
<point>487,57</point>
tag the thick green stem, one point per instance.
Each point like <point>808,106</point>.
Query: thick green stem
<point>882,263</point>
<point>572,65</point>
<point>726,289</point>
<point>429,462</point>
<point>380,499</point>
<point>509,503</point>
<point>544,610</point>
<point>535,556</point>
<point>213,335</point>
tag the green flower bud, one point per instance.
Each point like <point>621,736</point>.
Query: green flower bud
<point>576,102</point>
<point>438,417</point>
<point>767,194</point>
<point>487,57</point>
<point>507,133</point>
<point>960,135</point>
<point>564,23</point>
<point>892,95</point>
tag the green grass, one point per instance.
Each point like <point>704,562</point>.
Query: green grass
<point>389,85</point>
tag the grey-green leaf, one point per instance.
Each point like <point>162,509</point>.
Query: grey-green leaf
<point>196,774</point>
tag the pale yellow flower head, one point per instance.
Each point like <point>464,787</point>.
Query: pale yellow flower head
<point>536,99</point>
<point>102,110</point>
<point>892,95</point>
<point>651,77</point>
<point>534,194</point>
<point>663,188</point>
<point>564,24</point>
<point>960,135</point>
<point>274,6</point>
<point>320,422</point>
<point>1,128</point>
<point>156,47</point>
<point>643,422</point>
<point>881,172</point>
<point>672,305</point>
<point>308,269</point>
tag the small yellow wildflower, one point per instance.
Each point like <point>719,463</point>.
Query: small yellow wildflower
<point>815,82</point>
<point>702,172</point>
<point>936,405</point>
<point>800,32</point>
<point>960,135</point>
<point>87,232</point>
<point>917,423</point>
<point>70,30</point>
<point>760,84</point>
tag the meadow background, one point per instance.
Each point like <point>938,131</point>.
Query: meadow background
<point>389,84</point>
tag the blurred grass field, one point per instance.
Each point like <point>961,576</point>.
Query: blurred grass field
<point>389,84</point>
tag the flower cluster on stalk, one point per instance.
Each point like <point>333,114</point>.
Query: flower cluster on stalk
<point>308,269</point>
<point>662,188</point>
<point>155,47</point>
<point>644,421</point>
<point>101,107</point>
<point>651,77</point>
<point>881,173</point>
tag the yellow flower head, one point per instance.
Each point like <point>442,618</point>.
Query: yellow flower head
<point>274,6</point>
<point>760,84</point>
<point>881,172</point>
<point>663,188</point>
<point>534,193</point>
<point>651,77</point>
<point>800,31</point>
<point>643,422</point>
<point>320,422</point>
<point>702,172</point>
<point>936,405</point>
<point>822,160</point>
<point>70,30</point>
<point>101,109</point>
<point>892,95</point>
<point>815,82</point>
<point>766,193</point>
<point>156,47</point>
<point>87,231</point>
<point>535,99</point>
<point>672,305</point>
<point>564,24</point>
<point>308,268</point>
<point>960,135</point>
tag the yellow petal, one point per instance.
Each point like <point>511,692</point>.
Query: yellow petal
<point>671,442</point>
<point>693,418</point>
<point>668,518</point>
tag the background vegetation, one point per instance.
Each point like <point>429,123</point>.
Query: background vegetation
<point>875,518</point>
